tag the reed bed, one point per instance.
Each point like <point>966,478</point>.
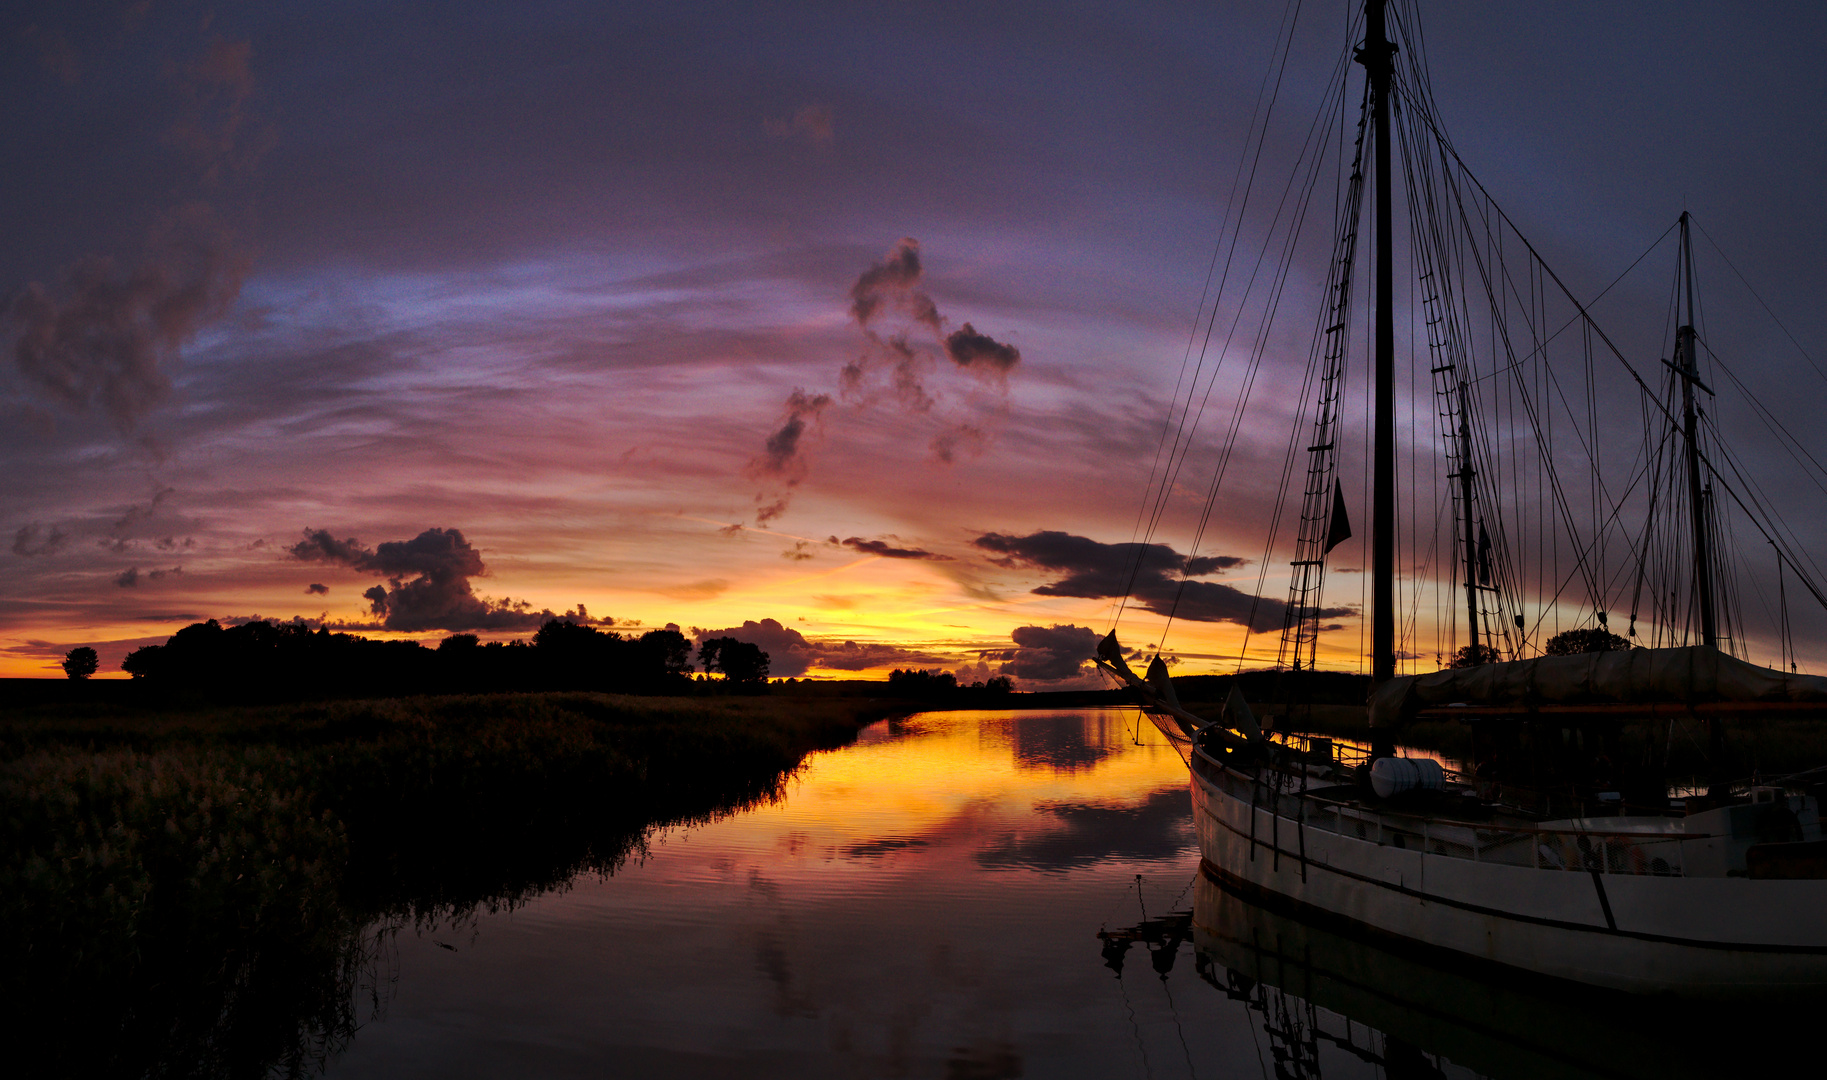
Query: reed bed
<point>206,892</point>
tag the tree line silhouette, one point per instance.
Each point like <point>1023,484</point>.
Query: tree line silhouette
<point>290,661</point>
<point>923,685</point>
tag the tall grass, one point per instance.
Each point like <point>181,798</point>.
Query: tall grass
<point>197,893</point>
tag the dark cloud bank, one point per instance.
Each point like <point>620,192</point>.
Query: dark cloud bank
<point>34,539</point>
<point>1047,653</point>
<point>887,550</point>
<point>791,653</point>
<point>428,582</point>
<point>102,335</point>
<point>1154,575</point>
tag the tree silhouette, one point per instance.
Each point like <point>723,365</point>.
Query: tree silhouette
<point>80,662</point>
<point>1592,639</point>
<point>1474,655</point>
<point>922,683</point>
<point>143,661</point>
<point>664,656</point>
<point>739,661</point>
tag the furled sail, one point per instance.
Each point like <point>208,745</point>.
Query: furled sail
<point>1688,675</point>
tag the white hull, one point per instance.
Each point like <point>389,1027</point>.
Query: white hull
<point>1639,932</point>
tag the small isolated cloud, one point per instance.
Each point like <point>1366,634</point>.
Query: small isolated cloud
<point>981,353</point>
<point>129,522</point>
<point>1155,575</point>
<point>34,539</point>
<point>315,589</point>
<point>781,456</point>
<point>428,581</point>
<point>809,123</point>
<point>887,550</point>
<point>894,283</point>
<point>799,552</point>
<point>128,578</point>
<point>782,463</point>
<point>957,440</point>
<point>708,589</point>
<point>1049,653</point>
<point>155,575</point>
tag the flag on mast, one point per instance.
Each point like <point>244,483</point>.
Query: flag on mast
<point>1340,529</point>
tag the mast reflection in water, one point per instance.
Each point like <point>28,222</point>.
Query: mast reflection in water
<point>1329,1002</point>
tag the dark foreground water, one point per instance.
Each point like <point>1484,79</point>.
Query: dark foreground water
<point>928,903</point>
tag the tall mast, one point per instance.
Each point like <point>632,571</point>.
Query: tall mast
<point>1377,56</point>
<point>1466,475</point>
<point>1687,362</point>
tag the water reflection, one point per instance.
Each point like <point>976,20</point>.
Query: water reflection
<point>921,904</point>
<point>1328,1003</point>
<point>914,906</point>
<point>1081,834</point>
<point>1068,742</point>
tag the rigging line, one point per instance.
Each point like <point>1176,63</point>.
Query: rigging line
<point>1432,253</point>
<point>1729,490</point>
<point>1549,270</point>
<point>1760,497</point>
<point>1555,599</point>
<point>1288,25</point>
<point>1277,289</point>
<point>1278,280</point>
<point>1278,277</point>
<point>1769,419</point>
<point>1591,454</point>
<point>1337,281</point>
<point>1500,328</point>
<point>1597,598</point>
<point>1184,436</point>
<point>1706,460</point>
<point>1760,300</point>
<point>1654,463</point>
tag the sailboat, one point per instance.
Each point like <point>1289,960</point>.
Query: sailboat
<point>1559,851</point>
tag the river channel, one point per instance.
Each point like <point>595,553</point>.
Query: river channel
<point>958,895</point>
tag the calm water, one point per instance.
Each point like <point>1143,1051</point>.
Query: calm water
<point>927,903</point>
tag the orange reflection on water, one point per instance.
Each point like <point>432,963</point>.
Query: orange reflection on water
<point>921,903</point>
<point>944,783</point>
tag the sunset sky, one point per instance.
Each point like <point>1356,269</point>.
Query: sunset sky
<point>862,319</point>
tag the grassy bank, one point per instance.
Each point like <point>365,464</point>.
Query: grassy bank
<point>195,892</point>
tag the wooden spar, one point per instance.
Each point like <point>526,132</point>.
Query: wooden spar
<point>1377,57</point>
<point>1152,700</point>
<point>1191,723</point>
<point>1689,369</point>
<point>1466,475</point>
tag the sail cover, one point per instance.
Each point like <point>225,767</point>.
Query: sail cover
<point>1634,676</point>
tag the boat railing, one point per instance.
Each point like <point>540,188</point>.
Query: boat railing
<point>1605,851</point>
